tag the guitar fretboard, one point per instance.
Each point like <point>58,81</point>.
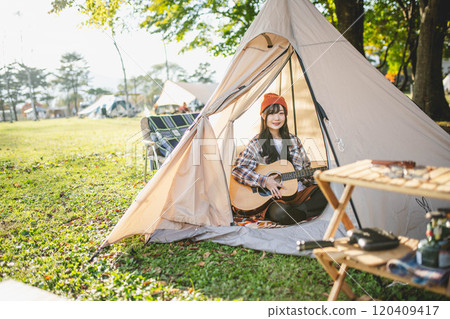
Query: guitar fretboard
<point>301,174</point>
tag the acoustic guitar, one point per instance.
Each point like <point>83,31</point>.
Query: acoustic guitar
<point>247,198</point>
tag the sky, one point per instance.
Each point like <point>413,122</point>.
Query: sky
<point>29,34</point>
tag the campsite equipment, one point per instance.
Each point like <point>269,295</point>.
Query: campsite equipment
<point>342,109</point>
<point>370,239</point>
<point>161,134</point>
<point>403,169</point>
<point>434,251</point>
<point>246,198</point>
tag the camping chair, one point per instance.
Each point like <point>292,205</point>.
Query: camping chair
<point>162,133</point>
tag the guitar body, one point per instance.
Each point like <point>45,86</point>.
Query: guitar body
<point>248,198</point>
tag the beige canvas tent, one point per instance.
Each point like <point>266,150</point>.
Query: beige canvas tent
<point>342,109</point>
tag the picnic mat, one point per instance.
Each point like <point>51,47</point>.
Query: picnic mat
<point>408,267</point>
<point>258,222</point>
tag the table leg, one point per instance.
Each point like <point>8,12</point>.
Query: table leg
<point>334,274</point>
<point>339,212</point>
<point>334,293</point>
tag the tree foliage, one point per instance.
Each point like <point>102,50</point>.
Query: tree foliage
<point>391,37</point>
<point>72,75</point>
<point>217,25</point>
<point>202,74</point>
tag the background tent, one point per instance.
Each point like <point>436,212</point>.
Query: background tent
<point>42,113</point>
<point>113,106</point>
<point>177,93</point>
<point>342,108</point>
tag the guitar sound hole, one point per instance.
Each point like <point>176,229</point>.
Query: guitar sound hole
<point>277,177</point>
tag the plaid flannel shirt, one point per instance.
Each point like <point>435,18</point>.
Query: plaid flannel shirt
<point>246,163</point>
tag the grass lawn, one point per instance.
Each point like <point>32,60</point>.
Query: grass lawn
<point>65,183</point>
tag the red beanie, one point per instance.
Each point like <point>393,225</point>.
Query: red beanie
<point>272,98</point>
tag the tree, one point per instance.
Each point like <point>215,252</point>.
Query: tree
<point>428,90</point>
<point>348,17</point>
<point>202,74</point>
<point>350,21</point>
<point>11,87</point>
<point>2,101</point>
<point>391,34</point>
<point>72,75</point>
<point>96,92</point>
<point>152,83</point>
<point>170,71</point>
<point>103,14</point>
<point>35,80</point>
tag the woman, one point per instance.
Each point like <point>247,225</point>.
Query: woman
<point>274,142</point>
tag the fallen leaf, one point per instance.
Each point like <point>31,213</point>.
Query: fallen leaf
<point>234,253</point>
<point>206,255</point>
<point>157,291</point>
<point>201,264</point>
<point>174,290</point>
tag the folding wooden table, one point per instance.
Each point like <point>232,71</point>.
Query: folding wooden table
<point>434,183</point>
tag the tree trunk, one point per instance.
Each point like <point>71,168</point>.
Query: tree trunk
<point>76,100</point>
<point>350,16</point>
<point>410,12</point>
<point>127,106</point>
<point>428,89</point>
<point>2,104</point>
<point>69,114</point>
<point>14,105</point>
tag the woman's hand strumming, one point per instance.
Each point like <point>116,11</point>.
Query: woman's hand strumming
<point>273,186</point>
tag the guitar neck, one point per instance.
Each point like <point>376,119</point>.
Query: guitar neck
<point>301,174</point>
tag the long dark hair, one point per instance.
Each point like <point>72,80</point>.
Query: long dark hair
<point>265,137</point>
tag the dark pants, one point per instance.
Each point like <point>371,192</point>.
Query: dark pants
<point>309,204</point>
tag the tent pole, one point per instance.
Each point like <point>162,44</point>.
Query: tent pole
<point>293,95</point>
<point>322,124</point>
<point>324,128</point>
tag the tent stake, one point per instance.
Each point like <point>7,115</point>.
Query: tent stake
<point>95,255</point>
